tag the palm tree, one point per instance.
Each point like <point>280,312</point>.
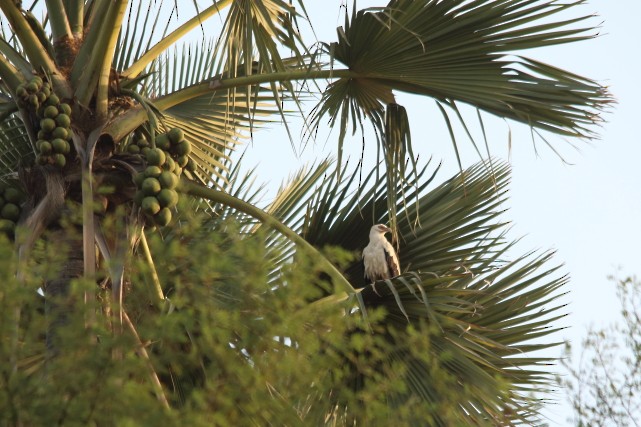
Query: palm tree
<point>99,114</point>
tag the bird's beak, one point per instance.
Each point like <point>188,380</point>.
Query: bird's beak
<point>386,229</point>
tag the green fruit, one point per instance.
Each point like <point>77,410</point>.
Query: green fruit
<point>53,100</point>
<point>47,125</point>
<point>151,186</point>
<point>60,146</point>
<point>7,226</point>
<point>33,100</point>
<point>144,151</point>
<point>63,120</point>
<point>59,160</point>
<point>163,217</point>
<point>46,90</point>
<point>167,198</point>
<point>45,147</point>
<point>183,148</point>
<point>10,211</point>
<point>153,171</point>
<point>176,135</point>
<point>50,112</point>
<point>162,141</point>
<point>156,157</point>
<point>182,161</point>
<point>37,80</point>
<point>150,205</point>
<point>42,134</point>
<point>168,180</point>
<point>21,91</point>
<point>42,159</point>
<point>13,195</point>
<point>139,178</point>
<point>169,165</point>
<point>133,149</point>
<point>142,142</point>
<point>65,108</point>
<point>32,87</point>
<point>42,97</point>
<point>191,165</point>
<point>60,132</point>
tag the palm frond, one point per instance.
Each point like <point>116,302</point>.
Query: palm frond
<point>486,324</point>
<point>15,147</point>
<point>483,316</point>
<point>487,315</point>
<point>139,31</point>
<point>257,27</point>
<point>461,51</point>
<point>215,125</point>
<point>251,40</point>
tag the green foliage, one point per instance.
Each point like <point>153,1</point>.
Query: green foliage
<point>604,384</point>
<point>232,347</point>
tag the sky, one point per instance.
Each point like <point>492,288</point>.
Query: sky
<point>587,209</point>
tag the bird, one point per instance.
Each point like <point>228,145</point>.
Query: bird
<point>379,257</point>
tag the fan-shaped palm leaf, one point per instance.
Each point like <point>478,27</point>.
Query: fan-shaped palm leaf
<point>480,310</point>
<point>15,146</point>
<point>459,51</point>
<point>451,52</point>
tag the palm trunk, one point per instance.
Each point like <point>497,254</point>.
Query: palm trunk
<point>58,305</point>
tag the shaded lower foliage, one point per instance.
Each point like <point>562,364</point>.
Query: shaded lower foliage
<point>231,346</point>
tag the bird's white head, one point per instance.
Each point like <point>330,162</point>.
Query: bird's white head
<point>378,230</point>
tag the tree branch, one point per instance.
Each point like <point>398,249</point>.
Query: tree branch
<point>75,15</point>
<point>125,124</point>
<point>116,12</point>
<point>159,295</point>
<point>142,352</point>
<point>58,19</point>
<point>226,199</point>
<point>86,68</point>
<point>10,75</point>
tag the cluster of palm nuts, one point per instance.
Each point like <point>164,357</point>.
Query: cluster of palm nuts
<point>11,198</point>
<point>54,132</point>
<point>157,184</point>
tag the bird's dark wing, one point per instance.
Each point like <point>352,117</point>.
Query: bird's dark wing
<point>394,269</point>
